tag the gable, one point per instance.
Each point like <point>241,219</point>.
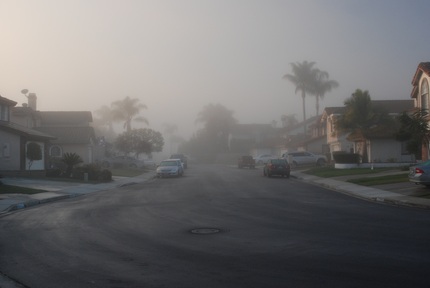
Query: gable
<point>423,68</point>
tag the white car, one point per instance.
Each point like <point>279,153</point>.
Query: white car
<point>170,167</point>
<point>305,158</point>
<point>263,158</point>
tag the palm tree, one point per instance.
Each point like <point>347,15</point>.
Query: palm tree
<point>322,85</point>
<point>126,110</point>
<point>415,130</point>
<point>71,159</point>
<point>303,77</point>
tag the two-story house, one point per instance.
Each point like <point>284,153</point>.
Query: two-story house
<point>381,146</point>
<point>420,95</point>
<point>71,131</point>
<point>14,140</point>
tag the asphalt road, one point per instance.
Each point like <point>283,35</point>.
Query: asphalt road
<point>249,231</point>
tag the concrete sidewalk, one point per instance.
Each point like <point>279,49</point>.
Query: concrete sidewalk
<point>365,192</point>
<point>57,190</point>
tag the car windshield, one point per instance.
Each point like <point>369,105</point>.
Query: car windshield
<point>168,163</point>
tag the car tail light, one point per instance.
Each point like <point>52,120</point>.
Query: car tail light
<point>419,171</point>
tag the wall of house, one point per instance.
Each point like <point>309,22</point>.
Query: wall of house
<point>85,151</point>
<point>9,151</point>
<point>387,150</point>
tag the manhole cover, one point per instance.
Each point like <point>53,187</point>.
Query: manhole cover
<point>205,231</point>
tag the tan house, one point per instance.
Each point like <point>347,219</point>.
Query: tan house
<point>57,132</point>
<point>14,140</point>
<point>381,146</point>
<point>420,94</point>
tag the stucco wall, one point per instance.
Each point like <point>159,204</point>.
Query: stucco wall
<point>388,150</point>
<point>9,151</point>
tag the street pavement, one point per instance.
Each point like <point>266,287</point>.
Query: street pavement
<point>402,194</point>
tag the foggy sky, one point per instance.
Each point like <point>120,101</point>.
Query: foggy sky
<point>180,55</point>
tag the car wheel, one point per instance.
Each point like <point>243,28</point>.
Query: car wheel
<point>287,175</point>
<point>320,162</point>
<point>268,174</point>
<point>295,164</point>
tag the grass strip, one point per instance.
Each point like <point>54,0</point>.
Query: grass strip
<point>10,189</point>
<point>380,180</point>
<point>327,172</point>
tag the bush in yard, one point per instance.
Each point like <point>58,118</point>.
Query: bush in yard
<point>346,158</point>
<point>105,175</point>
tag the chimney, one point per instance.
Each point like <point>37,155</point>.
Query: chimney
<point>32,101</point>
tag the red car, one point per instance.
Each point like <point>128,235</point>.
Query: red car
<point>277,166</point>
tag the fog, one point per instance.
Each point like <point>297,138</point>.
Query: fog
<point>178,56</point>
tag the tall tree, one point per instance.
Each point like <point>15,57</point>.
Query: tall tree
<point>140,141</point>
<point>415,131</point>
<point>322,85</point>
<point>303,77</point>
<point>127,110</point>
<point>218,121</point>
<point>289,120</point>
<point>363,120</point>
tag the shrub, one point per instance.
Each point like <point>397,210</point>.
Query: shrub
<point>105,175</point>
<point>346,158</point>
<point>94,173</point>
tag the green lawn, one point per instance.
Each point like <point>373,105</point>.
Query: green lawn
<point>8,189</point>
<point>389,179</point>
<point>327,172</point>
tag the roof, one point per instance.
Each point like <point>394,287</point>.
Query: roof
<point>6,101</point>
<point>24,131</point>
<point>423,67</point>
<point>394,106</point>
<point>69,135</point>
<point>65,118</point>
<point>390,106</point>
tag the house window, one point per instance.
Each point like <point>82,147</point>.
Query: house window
<point>4,112</point>
<point>425,95</point>
<point>5,151</point>
<point>55,151</point>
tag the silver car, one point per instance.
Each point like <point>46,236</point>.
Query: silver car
<point>420,174</point>
<point>170,167</point>
<point>305,158</point>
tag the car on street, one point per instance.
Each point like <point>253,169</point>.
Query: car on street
<point>122,162</point>
<point>182,157</point>
<point>246,161</point>
<point>169,168</point>
<point>277,166</point>
<point>263,158</point>
<point>420,174</point>
<point>300,158</point>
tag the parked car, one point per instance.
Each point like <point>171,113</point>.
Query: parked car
<point>182,157</point>
<point>170,167</point>
<point>263,158</point>
<point>122,162</point>
<point>277,166</point>
<point>305,158</point>
<point>246,161</point>
<point>420,174</point>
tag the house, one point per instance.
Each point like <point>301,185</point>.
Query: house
<point>70,131</point>
<point>420,95</point>
<point>14,140</point>
<point>254,139</point>
<point>380,145</point>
